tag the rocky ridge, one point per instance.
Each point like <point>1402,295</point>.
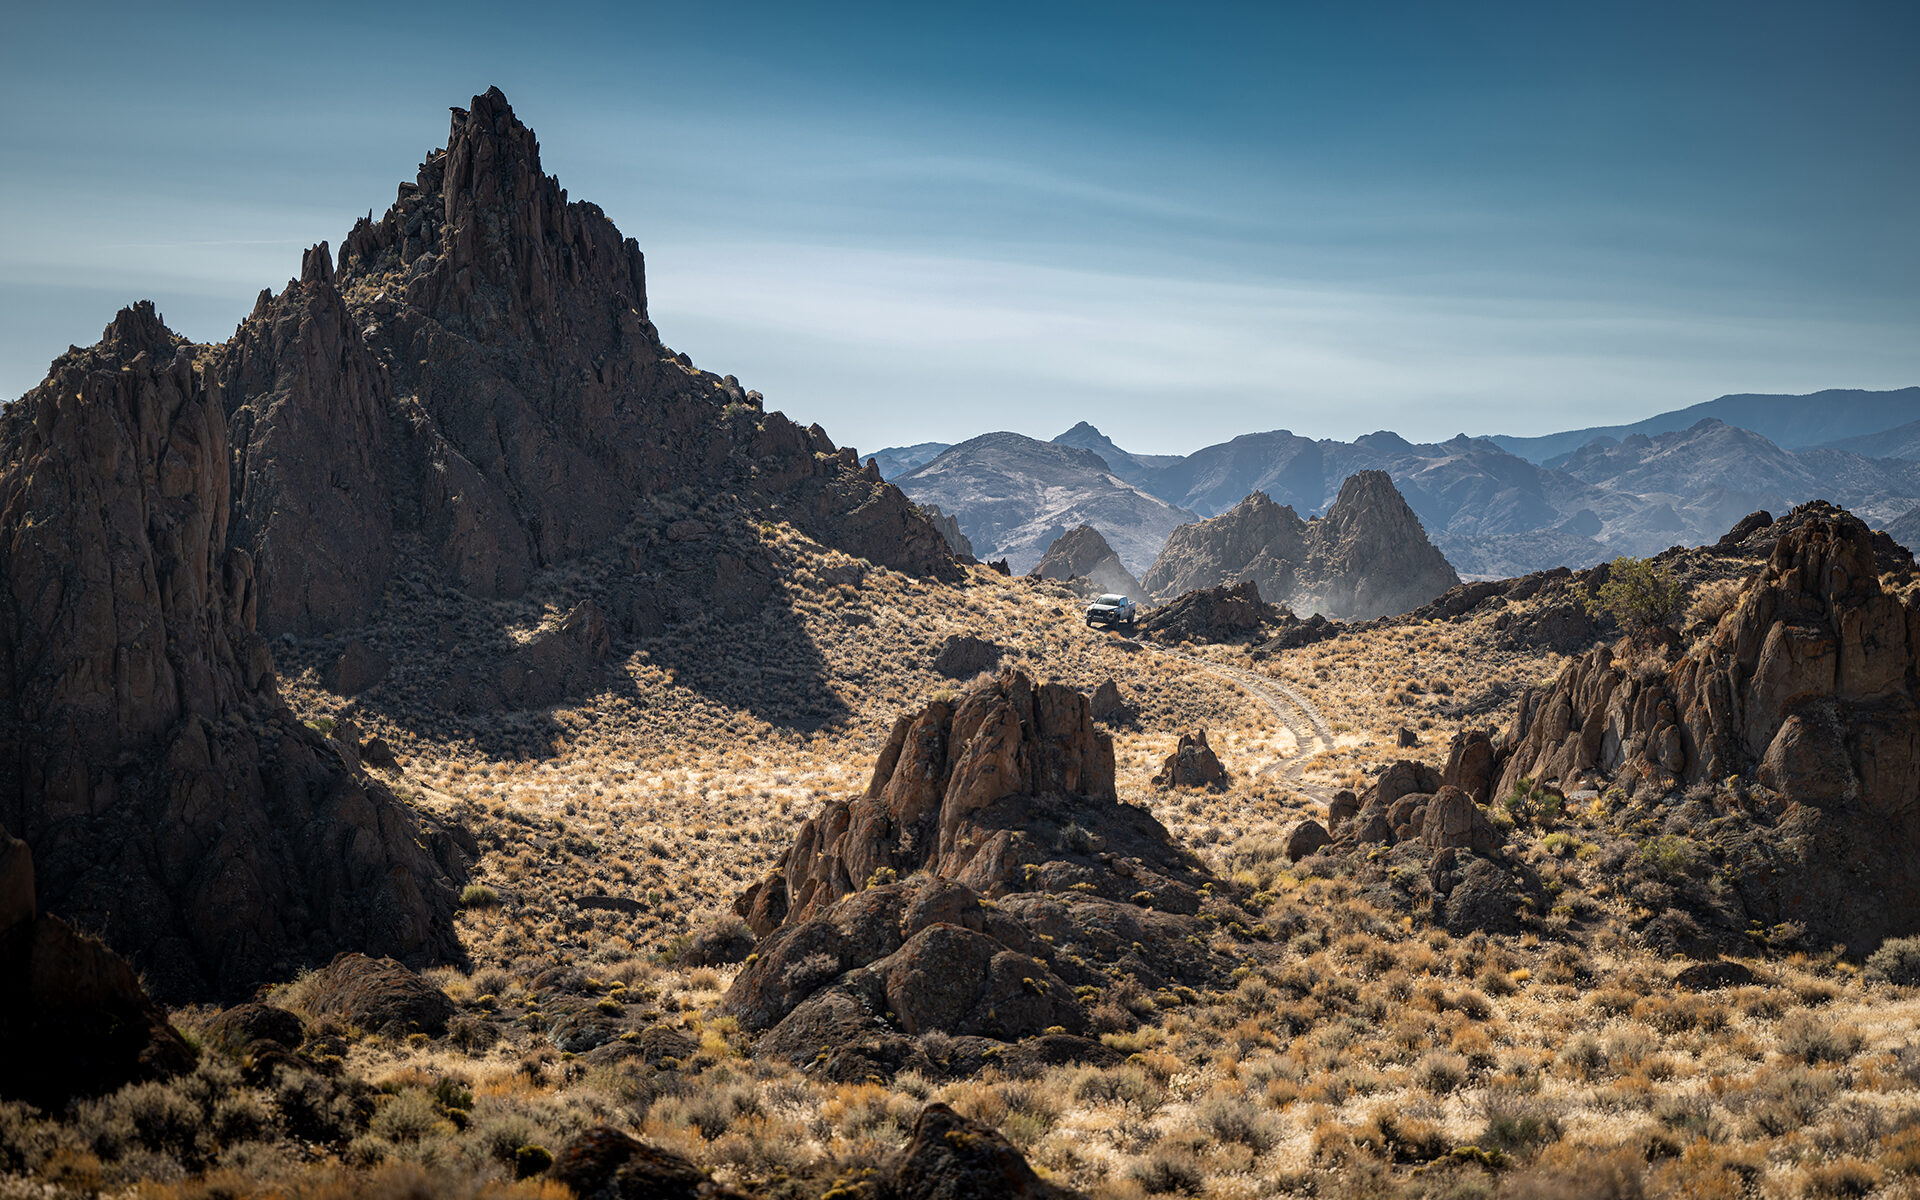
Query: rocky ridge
<point>1794,715</point>
<point>1368,557</point>
<point>171,800</point>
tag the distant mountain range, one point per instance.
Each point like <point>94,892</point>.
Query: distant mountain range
<point>1496,506</point>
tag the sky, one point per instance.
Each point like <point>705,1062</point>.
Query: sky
<point>923,222</point>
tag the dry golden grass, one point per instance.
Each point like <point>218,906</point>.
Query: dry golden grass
<point>1355,1053</point>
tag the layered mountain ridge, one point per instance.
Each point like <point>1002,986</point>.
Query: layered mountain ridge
<point>1493,511</point>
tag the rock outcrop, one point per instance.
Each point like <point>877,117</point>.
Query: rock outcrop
<point>1082,554</point>
<point>475,374</point>
<point>1368,557</point>
<point>1193,764</point>
<point>74,1019</point>
<point>1214,614</point>
<point>1005,794</point>
<point>171,800</point>
<point>1807,687</point>
<point>1256,540</point>
<point>949,527</point>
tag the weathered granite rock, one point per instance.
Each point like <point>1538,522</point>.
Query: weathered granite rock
<point>171,800</point>
<point>1193,764</point>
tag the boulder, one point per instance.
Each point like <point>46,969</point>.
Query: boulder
<point>1106,702</point>
<point>605,1164</point>
<point>1304,837</point>
<point>245,1024</point>
<point>952,1158</point>
<point>1471,762</point>
<point>963,656</point>
<point>1341,809</point>
<point>1193,764</point>
<point>378,994</point>
<point>73,1017</point>
<point>1454,821</point>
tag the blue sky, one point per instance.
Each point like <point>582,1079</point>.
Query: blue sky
<point>1181,222</point>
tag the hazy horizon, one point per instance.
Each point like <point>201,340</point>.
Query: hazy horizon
<point>1181,227</point>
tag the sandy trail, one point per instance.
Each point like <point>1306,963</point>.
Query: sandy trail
<point>1289,707</point>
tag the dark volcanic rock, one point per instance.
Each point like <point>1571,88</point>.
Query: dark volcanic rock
<point>1193,764</point>
<point>244,1024</point>
<point>1213,614</point>
<point>605,1164</point>
<point>952,1158</point>
<point>477,372</point>
<point>171,800</point>
<point>963,656</point>
<point>74,1020</point>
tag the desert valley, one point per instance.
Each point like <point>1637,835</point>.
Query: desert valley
<point>457,745</point>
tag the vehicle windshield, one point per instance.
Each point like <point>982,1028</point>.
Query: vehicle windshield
<point>1116,600</point>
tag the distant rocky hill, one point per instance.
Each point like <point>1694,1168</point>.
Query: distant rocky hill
<point>1368,557</point>
<point>1134,468</point>
<point>469,396</point>
<point>1906,530</point>
<point>1081,553</point>
<point>1014,495</point>
<point>895,461</point>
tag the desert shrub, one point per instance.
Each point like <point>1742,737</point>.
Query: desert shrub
<point>711,1110</point>
<point>723,939</point>
<point>1639,593</point>
<point>25,1139</point>
<point>1516,1124</point>
<point>479,895</point>
<point>408,1117</point>
<point>153,1116</point>
<point>1232,1119</point>
<point>1714,600</point>
<point>1169,1170</point>
<point>1842,1177</point>
<point>1440,1071</point>
<point>1897,961</point>
<point>1668,857</point>
<point>313,1108</point>
<point>1815,1041</point>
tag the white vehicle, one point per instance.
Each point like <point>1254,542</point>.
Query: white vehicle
<point>1112,610</point>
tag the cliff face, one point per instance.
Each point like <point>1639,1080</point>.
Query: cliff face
<point>170,799</point>
<point>1809,688</point>
<point>1368,557</point>
<point>476,374</point>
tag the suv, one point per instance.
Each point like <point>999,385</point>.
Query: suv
<point>1112,610</point>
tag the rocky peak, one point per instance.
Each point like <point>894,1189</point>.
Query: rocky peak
<point>1081,553</point>
<point>1370,556</point>
<point>169,798</point>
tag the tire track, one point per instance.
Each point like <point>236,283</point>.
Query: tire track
<point>1310,731</point>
